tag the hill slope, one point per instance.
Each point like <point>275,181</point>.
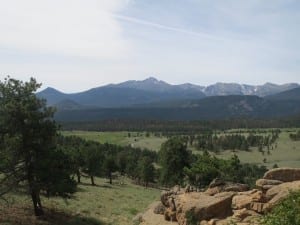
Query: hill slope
<point>289,95</point>
<point>217,107</point>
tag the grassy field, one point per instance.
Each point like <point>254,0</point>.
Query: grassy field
<point>287,152</point>
<point>135,139</point>
<point>103,204</point>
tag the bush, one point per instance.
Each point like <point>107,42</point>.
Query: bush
<point>286,213</point>
<point>191,218</point>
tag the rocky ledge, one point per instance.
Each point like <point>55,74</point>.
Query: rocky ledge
<point>224,203</point>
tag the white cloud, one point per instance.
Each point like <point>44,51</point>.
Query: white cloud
<point>77,28</point>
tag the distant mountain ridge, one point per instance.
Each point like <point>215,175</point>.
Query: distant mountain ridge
<point>221,89</point>
<point>152,90</point>
<point>293,94</point>
<point>210,108</point>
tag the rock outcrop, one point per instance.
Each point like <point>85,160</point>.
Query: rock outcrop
<point>203,206</point>
<point>223,203</point>
<point>218,186</point>
<point>283,174</point>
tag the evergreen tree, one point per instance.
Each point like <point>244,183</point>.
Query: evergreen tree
<point>173,157</point>
<point>28,152</point>
<point>110,166</point>
<point>147,170</point>
<point>93,160</point>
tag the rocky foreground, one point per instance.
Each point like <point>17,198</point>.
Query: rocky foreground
<point>223,203</point>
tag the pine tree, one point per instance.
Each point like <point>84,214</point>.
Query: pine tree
<point>28,152</point>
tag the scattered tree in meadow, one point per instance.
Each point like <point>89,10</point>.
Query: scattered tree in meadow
<point>146,170</point>
<point>109,167</point>
<point>74,147</point>
<point>203,170</point>
<point>93,159</point>
<point>173,157</point>
<point>207,167</point>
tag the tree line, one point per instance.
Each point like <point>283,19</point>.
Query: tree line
<point>182,127</point>
<point>90,158</point>
<point>216,143</point>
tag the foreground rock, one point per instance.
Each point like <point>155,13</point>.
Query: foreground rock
<point>224,203</point>
<point>203,206</point>
<point>244,200</point>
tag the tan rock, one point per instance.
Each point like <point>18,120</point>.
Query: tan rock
<point>224,222</point>
<point>283,174</point>
<point>285,187</point>
<point>267,187</point>
<point>263,182</point>
<point>257,207</point>
<point>214,190</point>
<point>228,187</point>
<point>242,214</point>
<point>237,187</point>
<point>212,222</point>
<point>244,199</point>
<point>159,209</point>
<point>204,222</point>
<point>203,206</point>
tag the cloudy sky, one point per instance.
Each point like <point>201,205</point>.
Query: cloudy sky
<point>74,45</point>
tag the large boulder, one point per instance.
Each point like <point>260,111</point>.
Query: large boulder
<point>282,188</point>
<point>280,192</point>
<point>226,187</point>
<point>283,174</point>
<point>236,187</point>
<point>203,206</point>
<point>266,182</point>
<point>243,200</point>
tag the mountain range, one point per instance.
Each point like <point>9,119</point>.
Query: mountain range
<point>157,100</point>
<point>151,90</point>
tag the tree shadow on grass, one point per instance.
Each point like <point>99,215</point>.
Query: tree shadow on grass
<point>23,215</point>
<point>95,185</point>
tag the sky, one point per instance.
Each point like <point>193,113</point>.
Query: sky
<point>75,45</point>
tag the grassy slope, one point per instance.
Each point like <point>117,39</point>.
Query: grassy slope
<point>102,204</point>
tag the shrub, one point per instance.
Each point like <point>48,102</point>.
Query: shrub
<point>286,213</point>
<point>191,218</point>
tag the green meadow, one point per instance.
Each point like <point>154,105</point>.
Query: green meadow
<point>286,153</point>
<point>135,139</point>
